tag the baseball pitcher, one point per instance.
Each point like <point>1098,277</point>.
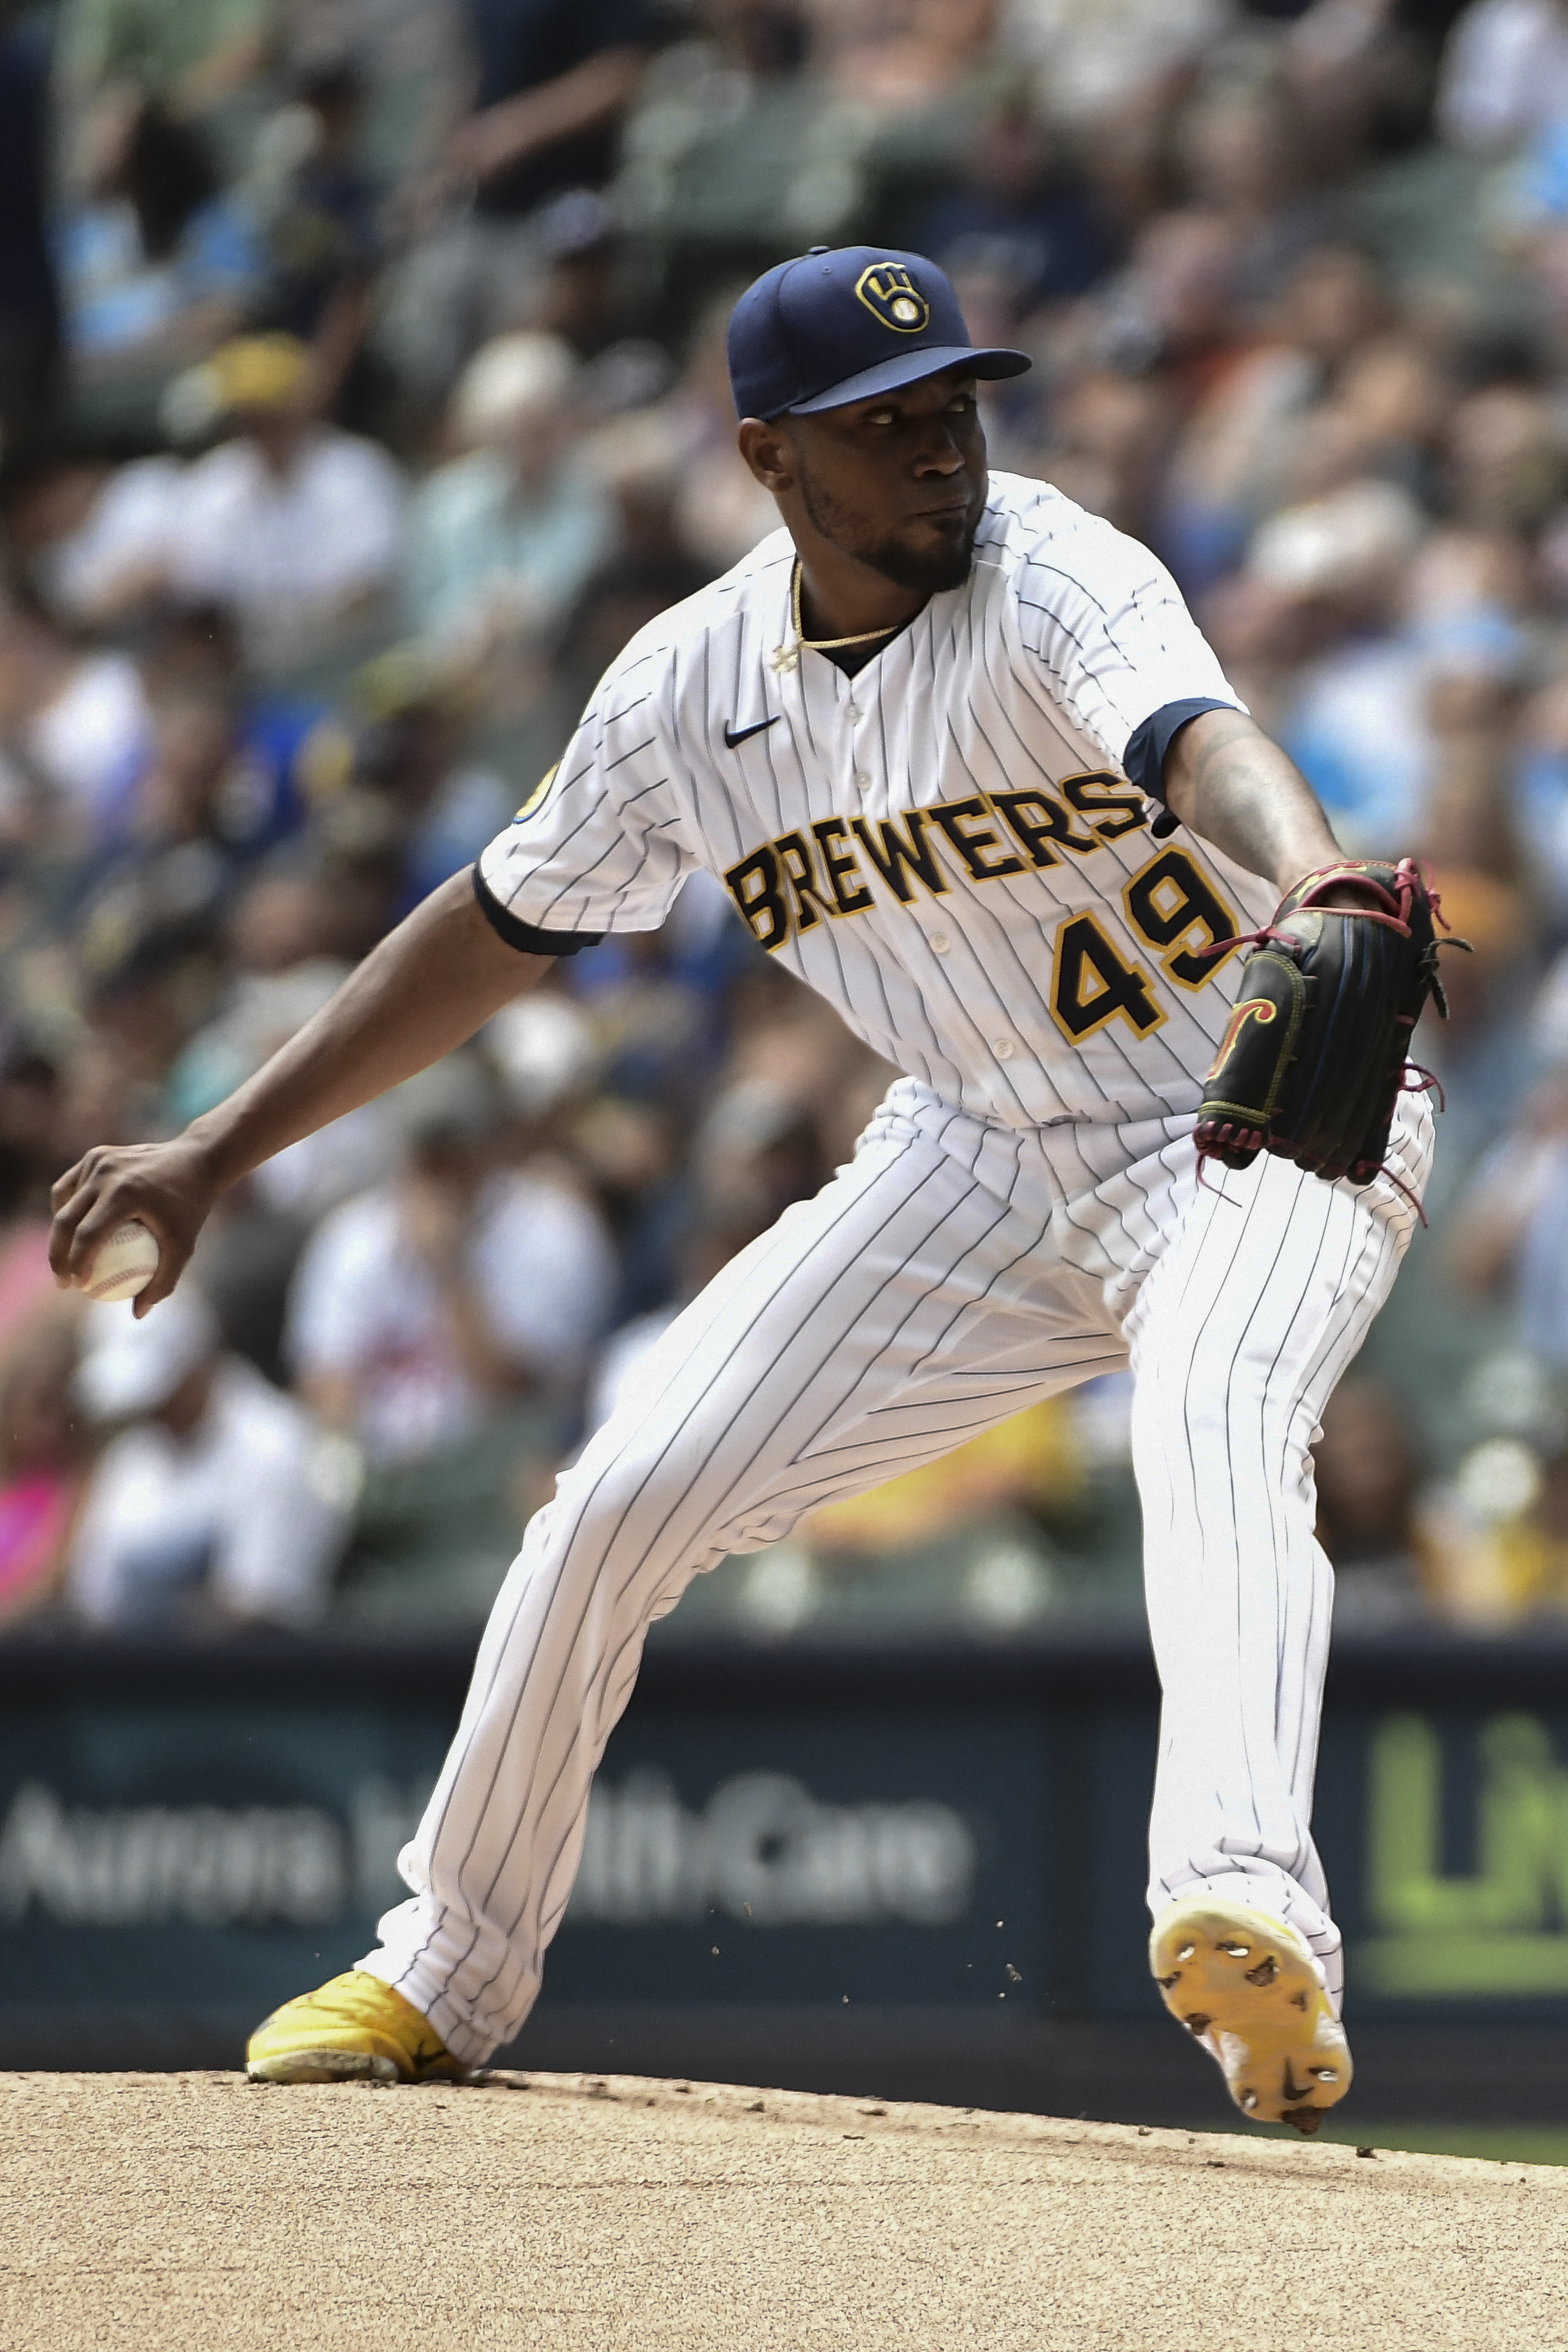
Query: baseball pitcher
<point>965,766</point>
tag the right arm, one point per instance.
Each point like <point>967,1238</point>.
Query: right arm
<point>427,987</point>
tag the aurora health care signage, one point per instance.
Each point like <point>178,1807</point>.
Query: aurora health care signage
<point>186,1837</point>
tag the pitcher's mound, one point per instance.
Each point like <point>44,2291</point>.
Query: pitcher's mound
<point>200,2212</point>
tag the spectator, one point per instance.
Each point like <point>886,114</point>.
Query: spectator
<point>553,84</point>
<point>616,603</point>
<point>897,59</point>
<point>1240,453</point>
<point>447,807</point>
<point>1105,438</point>
<point>1367,1477</point>
<point>252,705</point>
<point>199,63</point>
<point>583,259</point>
<point>287,525</point>
<point>1246,162</point>
<point>656,1028</point>
<point>413,59</point>
<point>78,725</point>
<point>1505,74</point>
<point>501,541</point>
<point>554,78</point>
<point>1022,209</point>
<point>356,848</point>
<point>319,220</point>
<point>427,1305</point>
<point>103,557</point>
<point>1507,1232</point>
<point>217,1502</point>
<point>31,1157</point>
<point>684,491</point>
<point>1541,800</point>
<point>1174,307</point>
<point>275,934</point>
<point>730,146</point>
<point>41,1467</point>
<point>1095,62</point>
<point>292,524</point>
<point>1026,1464</point>
<point>278,929</point>
<point>157,264</point>
<point>1402,693</point>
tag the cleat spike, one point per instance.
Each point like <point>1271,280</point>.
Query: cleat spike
<point>1268,2026</point>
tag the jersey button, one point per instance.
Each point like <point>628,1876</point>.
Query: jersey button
<point>940,942</point>
<point>863,782</point>
<point>1003,1049</point>
<point>855,711</point>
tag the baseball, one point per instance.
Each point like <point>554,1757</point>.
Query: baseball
<point>123,1265</point>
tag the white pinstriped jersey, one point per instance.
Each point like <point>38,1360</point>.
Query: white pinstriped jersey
<point>944,844</point>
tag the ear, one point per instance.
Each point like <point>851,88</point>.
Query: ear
<point>766,452</point>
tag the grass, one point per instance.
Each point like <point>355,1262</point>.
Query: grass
<point>1499,2143</point>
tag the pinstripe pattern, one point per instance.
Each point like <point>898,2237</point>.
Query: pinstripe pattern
<point>1065,637</point>
<point>1022,1213</point>
<point>1238,1337</point>
<point>956,1271</point>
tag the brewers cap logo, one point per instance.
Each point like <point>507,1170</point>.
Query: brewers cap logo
<point>891,294</point>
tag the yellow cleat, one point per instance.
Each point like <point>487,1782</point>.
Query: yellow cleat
<point>1247,1986</point>
<point>355,2029</point>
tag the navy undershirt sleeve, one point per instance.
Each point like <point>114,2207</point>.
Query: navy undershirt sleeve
<point>1145,757</point>
<point>525,937</point>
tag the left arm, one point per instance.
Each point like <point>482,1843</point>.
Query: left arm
<point>1229,783</point>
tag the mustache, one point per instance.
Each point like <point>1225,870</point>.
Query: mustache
<point>924,571</point>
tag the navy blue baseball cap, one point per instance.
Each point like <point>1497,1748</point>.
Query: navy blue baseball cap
<point>844,323</point>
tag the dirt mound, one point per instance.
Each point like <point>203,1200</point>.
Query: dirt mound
<point>197,2211</point>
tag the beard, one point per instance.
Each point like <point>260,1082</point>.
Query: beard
<point>924,570</point>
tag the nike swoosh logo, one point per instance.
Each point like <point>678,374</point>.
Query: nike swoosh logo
<point>734,735</point>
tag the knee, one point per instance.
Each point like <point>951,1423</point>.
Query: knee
<point>1218,1407</point>
<point>634,1500</point>
<point>1208,1380</point>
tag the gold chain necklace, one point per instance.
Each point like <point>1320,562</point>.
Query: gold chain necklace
<point>786,657</point>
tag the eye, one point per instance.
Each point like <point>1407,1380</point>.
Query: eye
<point>883,416</point>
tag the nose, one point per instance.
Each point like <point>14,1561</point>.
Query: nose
<point>940,452</point>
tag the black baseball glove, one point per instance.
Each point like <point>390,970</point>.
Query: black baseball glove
<point>1314,1057</point>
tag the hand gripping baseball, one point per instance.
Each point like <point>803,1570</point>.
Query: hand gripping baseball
<point>1314,1057</point>
<point>167,1187</point>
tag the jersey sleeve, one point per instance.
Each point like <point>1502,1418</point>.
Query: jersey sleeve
<point>1110,629</point>
<point>597,846</point>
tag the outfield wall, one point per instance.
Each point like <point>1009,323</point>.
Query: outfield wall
<point>917,1871</point>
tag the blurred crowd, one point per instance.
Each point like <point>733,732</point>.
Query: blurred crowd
<point>361,392</point>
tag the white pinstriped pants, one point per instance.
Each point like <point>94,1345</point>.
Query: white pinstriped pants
<point>953,1273</point>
